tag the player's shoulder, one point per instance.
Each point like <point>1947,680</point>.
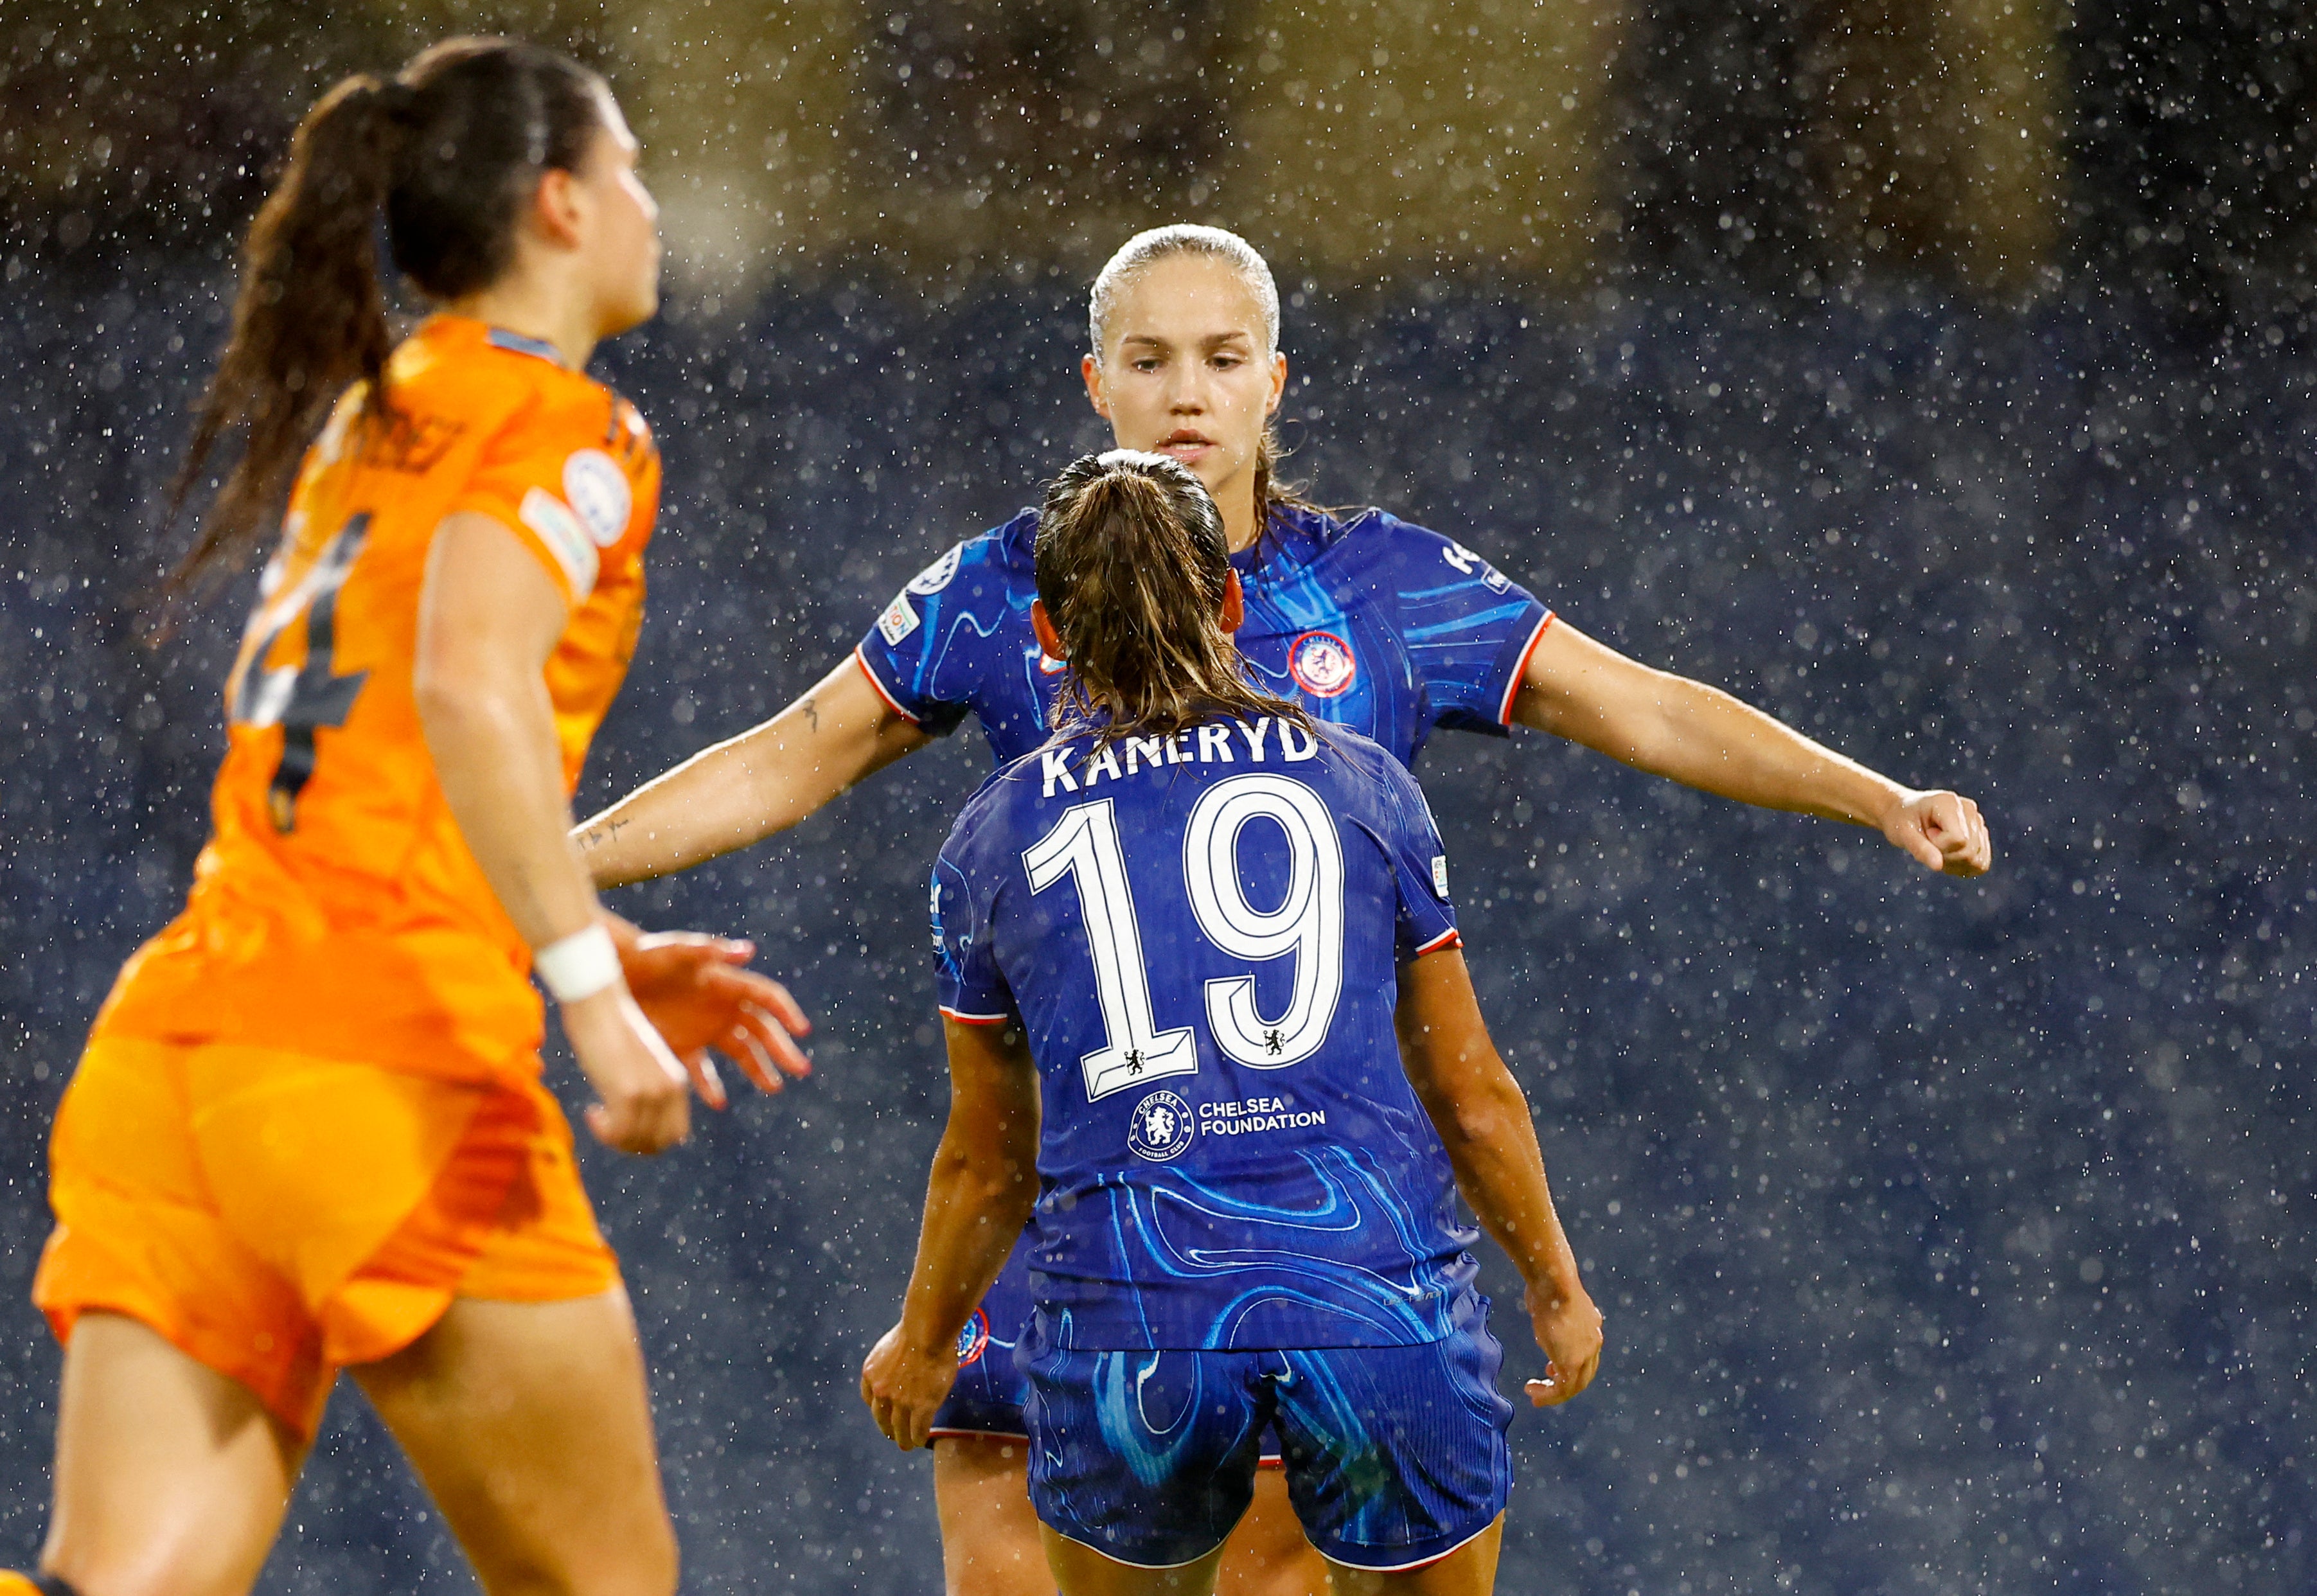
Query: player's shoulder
<point>1417,561</point>
<point>1380,536</point>
<point>1013,547</point>
<point>1007,551</point>
<point>990,816</point>
<point>494,381</point>
<point>1359,756</point>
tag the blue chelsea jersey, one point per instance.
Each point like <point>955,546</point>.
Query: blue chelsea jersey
<point>1200,937</point>
<point>1371,623</point>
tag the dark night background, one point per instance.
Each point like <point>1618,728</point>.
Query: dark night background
<point>1952,1236</point>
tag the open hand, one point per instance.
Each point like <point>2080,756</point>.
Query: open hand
<point>1943,829</point>
<point>695,991</point>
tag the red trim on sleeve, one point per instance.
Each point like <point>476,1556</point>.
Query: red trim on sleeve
<point>1450,937</point>
<point>891,703</point>
<point>1520,672</point>
<point>975,1019</point>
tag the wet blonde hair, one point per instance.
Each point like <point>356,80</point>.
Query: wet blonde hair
<point>1146,249</point>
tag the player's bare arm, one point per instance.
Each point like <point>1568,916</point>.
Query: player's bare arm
<point>978,1200</point>
<point>1703,738</point>
<point>488,618</point>
<point>1483,1120</point>
<point>747,787</point>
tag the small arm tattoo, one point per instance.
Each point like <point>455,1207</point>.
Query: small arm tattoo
<point>811,711</point>
<point>596,836</point>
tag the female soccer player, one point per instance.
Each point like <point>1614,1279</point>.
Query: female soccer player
<point>307,1131</point>
<point>1185,932</point>
<point>1368,622</point>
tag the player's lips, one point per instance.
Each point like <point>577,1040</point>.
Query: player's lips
<point>1185,445</point>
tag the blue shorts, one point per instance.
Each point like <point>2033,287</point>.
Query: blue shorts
<point>1395,1455</point>
<point>988,1397</point>
<point>991,1389</point>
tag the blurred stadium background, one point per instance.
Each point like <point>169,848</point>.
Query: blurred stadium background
<point>1938,375</point>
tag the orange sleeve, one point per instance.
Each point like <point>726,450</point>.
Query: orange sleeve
<point>556,476</point>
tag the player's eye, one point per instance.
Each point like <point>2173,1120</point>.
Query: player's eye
<point>1147,364</point>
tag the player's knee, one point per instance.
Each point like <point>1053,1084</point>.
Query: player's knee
<point>648,1567</point>
<point>641,1562</point>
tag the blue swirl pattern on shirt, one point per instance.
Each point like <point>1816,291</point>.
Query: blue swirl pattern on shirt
<point>1216,1204</point>
<point>1432,633</point>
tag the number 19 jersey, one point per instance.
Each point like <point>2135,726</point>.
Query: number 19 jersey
<point>1200,935</point>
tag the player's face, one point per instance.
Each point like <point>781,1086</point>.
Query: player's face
<point>1187,370</point>
<point>622,225</point>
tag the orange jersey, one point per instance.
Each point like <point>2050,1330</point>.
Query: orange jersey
<point>336,911</point>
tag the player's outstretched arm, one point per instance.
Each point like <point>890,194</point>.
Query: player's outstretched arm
<point>488,618</point>
<point>1703,738</point>
<point>983,1187</point>
<point>1483,1120</point>
<point>747,787</point>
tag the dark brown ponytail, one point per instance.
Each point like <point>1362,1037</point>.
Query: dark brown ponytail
<point>310,319</point>
<point>448,150</point>
<point>1131,566</point>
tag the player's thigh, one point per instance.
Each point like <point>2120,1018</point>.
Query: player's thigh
<point>530,1425</point>
<point>1267,1554</point>
<point>170,1477</point>
<point>1081,1571</point>
<point>991,1544</point>
<point>1470,1570</point>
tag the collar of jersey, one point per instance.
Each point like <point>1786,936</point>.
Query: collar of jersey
<point>500,337</point>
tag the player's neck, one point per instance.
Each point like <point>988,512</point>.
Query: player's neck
<point>523,304</point>
<point>1237,502</point>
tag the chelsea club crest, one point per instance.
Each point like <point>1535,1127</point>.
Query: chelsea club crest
<point>1160,1127</point>
<point>1321,664</point>
<point>973,1340</point>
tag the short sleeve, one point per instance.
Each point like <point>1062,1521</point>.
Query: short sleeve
<point>1427,917</point>
<point>574,478</point>
<point>922,654</point>
<point>972,990</point>
<point>1470,628</point>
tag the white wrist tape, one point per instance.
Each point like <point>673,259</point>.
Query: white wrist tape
<point>580,965</point>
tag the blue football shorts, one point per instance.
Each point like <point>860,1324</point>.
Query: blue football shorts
<point>1395,1455</point>
<point>991,1389</point>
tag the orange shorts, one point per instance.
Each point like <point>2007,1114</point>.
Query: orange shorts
<point>278,1218</point>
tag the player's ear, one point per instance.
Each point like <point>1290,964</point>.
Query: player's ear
<point>557,208</point>
<point>1278,384</point>
<point>1234,610</point>
<point>1091,370</point>
<point>1048,638</point>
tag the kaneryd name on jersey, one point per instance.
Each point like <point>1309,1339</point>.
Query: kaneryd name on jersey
<point>1220,742</point>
